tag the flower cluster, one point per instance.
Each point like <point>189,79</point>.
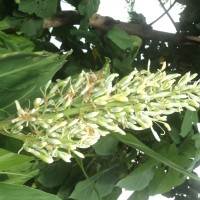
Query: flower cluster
<point>75,112</point>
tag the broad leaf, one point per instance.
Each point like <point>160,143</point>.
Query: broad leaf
<point>124,49</point>
<point>142,195</point>
<point>54,174</point>
<point>13,43</point>
<point>103,182</point>
<point>87,8</point>
<point>31,27</point>
<point>175,135</point>
<point>4,25</point>
<point>23,74</point>
<point>133,142</point>
<point>114,194</point>
<point>189,118</point>
<point>124,41</point>
<point>42,8</point>
<point>106,145</point>
<point>163,181</point>
<point>83,188</point>
<point>140,177</point>
<point>15,168</point>
<point>9,160</point>
<point>19,192</point>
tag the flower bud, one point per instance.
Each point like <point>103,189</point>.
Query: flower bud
<point>155,134</point>
<point>64,156</point>
<point>38,102</point>
<point>63,82</point>
<point>72,123</point>
<point>58,116</point>
<point>53,141</point>
<point>116,109</point>
<point>98,93</point>
<point>91,115</point>
<point>120,97</point>
<point>78,154</point>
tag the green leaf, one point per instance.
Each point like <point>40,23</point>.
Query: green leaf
<point>140,177</point>
<point>42,8</point>
<point>83,188</point>
<point>54,174</point>
<point>98,186</point>
<point>114,194</point>
<point>196,139</point>
<point>133,142</point>
<point>87,184</point>
<point>17,168</point>
<point>189,118</point>
<point>23,74</point>
<point>19,192</point>
<point>13,43</point>
<point>87,8</point>
<point>136,44</point>
<point>124,49</point>
<point>166,178</point>
<point>106,145</point>
<point>9,160</point>
<point>4,25</point>
<point>120,38</point>
<point>124,41</point>
<point>107,181</point>
<point>175,136</point>
<point>139,195</point>
<point>164,181</point>
<point>123,65</point>
<point>31,27</point>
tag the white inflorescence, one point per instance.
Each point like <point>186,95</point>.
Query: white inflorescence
<point>75,112</point>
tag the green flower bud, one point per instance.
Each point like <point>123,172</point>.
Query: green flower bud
<point>116,109</point>
<point>78,154</point>
<point>91,115</point>
<point>98,93</point>
<point>43,156</point>
<point>58,116</point>
<point>64,156</point>
<point>53,141</point>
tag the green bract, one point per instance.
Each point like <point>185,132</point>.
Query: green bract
<point>75,112</point>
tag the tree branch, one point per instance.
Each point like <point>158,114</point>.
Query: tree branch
<point>104,24</point>
<point>62,18</point>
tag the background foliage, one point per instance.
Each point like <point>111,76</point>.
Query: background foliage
<point>137,161</point>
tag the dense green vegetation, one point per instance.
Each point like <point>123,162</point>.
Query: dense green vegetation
<point>120,128</point>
